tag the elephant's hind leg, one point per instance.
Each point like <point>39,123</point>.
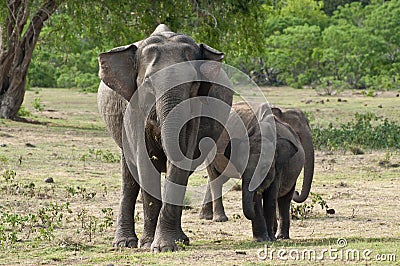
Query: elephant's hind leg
<point>218,181</point>
<point>206,211</point>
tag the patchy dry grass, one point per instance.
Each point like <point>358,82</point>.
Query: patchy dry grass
<point>67,146</point>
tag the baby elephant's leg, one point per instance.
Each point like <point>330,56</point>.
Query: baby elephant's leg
<point>258,223</point>
<point>216,191</point>
<point>206,211</point>
<point>284,215</point>
<point>269,206</point>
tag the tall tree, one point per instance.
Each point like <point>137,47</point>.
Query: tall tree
<point>19,33</point>
<point>233,26</point>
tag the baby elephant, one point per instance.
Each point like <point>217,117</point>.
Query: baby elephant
<point>278,181</point>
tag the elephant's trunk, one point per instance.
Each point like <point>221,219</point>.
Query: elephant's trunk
<point>178,130</point>
<point>171,124</point>
<point>247,200</point>
<point>306,141</point>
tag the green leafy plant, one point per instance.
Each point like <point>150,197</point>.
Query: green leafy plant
<point>108,219</point>
<point>89,224</point>
<point>99,155</point>
<point>9,175</point>
<point>305,210</point>
<point>38,105</point>
<point>80,191</point>
<point>364,131</point>
<point>22,112</point>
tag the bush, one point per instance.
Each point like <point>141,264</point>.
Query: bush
<point>65,80</point>
<point>87,82</point>
<point>41,75</point>
<point>366,130</point>
<point>22,112</point>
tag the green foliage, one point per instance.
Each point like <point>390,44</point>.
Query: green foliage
<point>41,223</point>
<point>305,210</point>
<point>100,155</point>
<point>293,53</point>
<point>9,175</point>
<point>22,112</point>
<point>108,220</point>
<point>366,131</point>
<point>330,45</point>
<point>349,53</point>
<point>37,104</point>
<point>88,222</point>
<point>80,191</point>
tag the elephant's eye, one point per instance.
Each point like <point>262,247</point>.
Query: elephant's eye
<point>150,52</point>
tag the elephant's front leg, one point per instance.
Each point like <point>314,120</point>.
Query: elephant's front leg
<point>125,232</point>
<point>269,206</point>
<point>150,182</point>
<point>169,230</point>
<point>151,210</point>
<point>258,223</point>
<point>284,215</point>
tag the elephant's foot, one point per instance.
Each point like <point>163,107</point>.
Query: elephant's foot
<point>164,243</point>
<point>182,237</point>
<point>283,236</point>
<point>206,212</point>
<point>220,217</point>
<point>145,242</point>
<point>128,240</point>
<point>167,240</point>
<point>146,239</point>
<point>272,238</point>
<point>263,238</point>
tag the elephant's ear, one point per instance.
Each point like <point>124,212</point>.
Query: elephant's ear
<point>209,53</point>
<point>285,150</point>
<point>276,111</point>
<point>210,69</point>
<point>237,153</point>
<point>118,70</point>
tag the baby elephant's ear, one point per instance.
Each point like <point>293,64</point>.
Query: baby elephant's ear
<point>118,70</point>
<point>285,150</point>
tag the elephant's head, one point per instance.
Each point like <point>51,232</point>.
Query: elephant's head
<point>298,121</point>
<point>130,68</point>
<point>285,149</point>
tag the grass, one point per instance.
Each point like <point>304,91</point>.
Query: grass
<point>72,146</point>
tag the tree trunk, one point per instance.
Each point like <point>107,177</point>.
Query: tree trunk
<point>16,48</point>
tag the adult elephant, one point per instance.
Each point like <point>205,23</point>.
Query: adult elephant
<point>161,77</point>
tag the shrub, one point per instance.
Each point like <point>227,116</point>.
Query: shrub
<point>22,112</point>
<point>87,82</point>
<point>65,80</point>
<point>365,130</point>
